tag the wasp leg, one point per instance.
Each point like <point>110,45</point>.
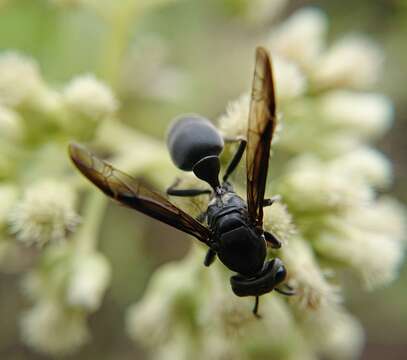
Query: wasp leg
<point>288,291</point>
<point>271,201</point>
<point>256,308</point>
<point>210,257</point>
<point>236,158</point>
<point>186,192</point>
<point>272,240</point>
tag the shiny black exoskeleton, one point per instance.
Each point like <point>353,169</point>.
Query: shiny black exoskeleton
<point>235,231</point>
<point>195,144</point>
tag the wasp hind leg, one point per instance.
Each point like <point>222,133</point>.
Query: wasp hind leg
<point>287,290</point>
<point>256,307</point>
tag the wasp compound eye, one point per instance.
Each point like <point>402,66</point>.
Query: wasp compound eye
<point>192,138</point>
<point>280,274</point>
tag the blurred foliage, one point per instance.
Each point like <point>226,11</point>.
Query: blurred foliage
<point>212,45</point>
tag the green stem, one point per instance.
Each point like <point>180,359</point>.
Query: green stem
<point>94,210</point>
<point>119,22</point>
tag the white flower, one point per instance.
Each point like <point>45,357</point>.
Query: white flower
<point>279,221</point>
<point>375,256</point>
<point>367,164</point>
<point>19,78</point>
<point>45,213</point>
<point>50,328</point>
<point>218,347</point>
<point>306,277</point>
<point>168,301</point>
<point>226,322</point>
<point>234,122</point>
<point>385,216</point>
<point>140,318</point>
<point>333,333</point>
<point>301,37</point>
<point>179,348</point>
<point>305,131</point>
<point>90,97</point>
<point>367,114</point>
<point>88,281</point>
<point>11,128</point>
<point>289,81</point>
<point>310,186</point>
<point>225,311</point>
<point>353,62</point>
<point>332,144</point>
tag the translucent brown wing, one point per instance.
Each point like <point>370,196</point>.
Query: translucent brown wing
<point>262,121</point>
<point>129,192</point>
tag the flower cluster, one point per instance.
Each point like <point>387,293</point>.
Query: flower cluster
<point>65,287</point>
<point>49,216</point>
<point>39,193</point>
<point>330,218</point>
<point>38,200</point>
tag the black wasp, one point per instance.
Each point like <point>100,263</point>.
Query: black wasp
<point>235,231</point>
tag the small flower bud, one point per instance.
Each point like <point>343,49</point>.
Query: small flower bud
<point>374,256</point>
<point>301,37</point>
<point>366,164</point>
<point>169,301</point>
<point>312,186</point>
<point>353,62</point>
<point>289,81</point>
<point>45,213</point>
<point>234,122</point>
<point>367,114</point>
<point>19,78</point>
<point>52,329</point>
<point>306,277</point>
<point>90,98</point>
<point>279,221</point>
<point>333,332</point>
<point>88,281</point>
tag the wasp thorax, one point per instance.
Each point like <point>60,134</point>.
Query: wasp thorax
<point>192,138</point>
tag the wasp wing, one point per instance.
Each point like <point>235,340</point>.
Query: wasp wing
<point>126,190</point>
<point>262,122</point>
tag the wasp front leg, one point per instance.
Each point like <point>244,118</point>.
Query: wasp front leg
<point>236,157</point>
<point>210,257</point>
<point>173,191</point>
<point>272,240</point>
<point>271,201</point>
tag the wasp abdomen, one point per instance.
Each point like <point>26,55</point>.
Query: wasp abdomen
<point>192,138</point>
<point>241,250</point>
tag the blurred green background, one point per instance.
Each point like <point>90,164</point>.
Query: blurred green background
<point>211,47</point>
